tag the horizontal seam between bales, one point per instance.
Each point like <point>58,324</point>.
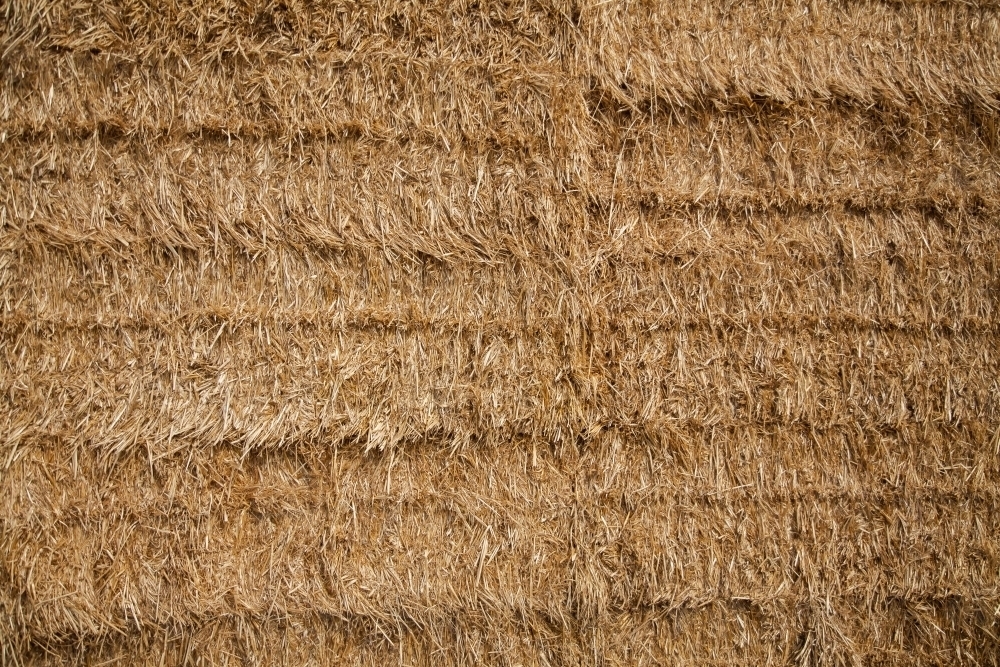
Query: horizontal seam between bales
<point>19,323</point>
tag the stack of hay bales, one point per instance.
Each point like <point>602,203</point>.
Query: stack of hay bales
<point>538,332</point>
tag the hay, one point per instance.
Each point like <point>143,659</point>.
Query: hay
<point>499,333</point>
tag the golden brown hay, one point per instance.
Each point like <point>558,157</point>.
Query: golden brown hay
<point>521,333</point>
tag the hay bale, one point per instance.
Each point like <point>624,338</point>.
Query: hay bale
<point>528,333</point>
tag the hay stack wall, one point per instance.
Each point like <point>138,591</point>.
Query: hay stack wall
<point>514,333</point>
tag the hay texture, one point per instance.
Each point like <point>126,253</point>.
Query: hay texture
<point>536,332</point>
